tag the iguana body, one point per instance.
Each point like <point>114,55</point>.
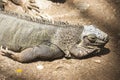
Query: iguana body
<point>31,40</point>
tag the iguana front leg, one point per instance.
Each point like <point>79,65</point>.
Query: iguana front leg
<point>80,51</point>
<point>89,44</point>
<point>44,52</point>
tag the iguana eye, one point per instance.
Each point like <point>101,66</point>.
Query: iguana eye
<point>92,37</point>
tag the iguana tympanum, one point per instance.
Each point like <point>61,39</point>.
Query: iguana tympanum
<point>25,39</point>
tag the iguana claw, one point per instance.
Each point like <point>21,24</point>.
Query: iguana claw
<point>5,51</point>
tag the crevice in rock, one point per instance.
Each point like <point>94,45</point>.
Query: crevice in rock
<point>58,1</point>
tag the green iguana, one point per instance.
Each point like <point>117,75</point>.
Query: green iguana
<point>24,38</point>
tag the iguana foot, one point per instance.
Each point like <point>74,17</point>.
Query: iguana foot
<point>6,51</point>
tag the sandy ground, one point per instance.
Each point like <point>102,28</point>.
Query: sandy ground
<point>105,66</point>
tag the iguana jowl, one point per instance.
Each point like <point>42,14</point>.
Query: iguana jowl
<point>26,40</point>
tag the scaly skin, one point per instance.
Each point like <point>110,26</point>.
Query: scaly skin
<point>33,40</point>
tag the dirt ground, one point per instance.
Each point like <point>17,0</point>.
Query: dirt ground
<point>105,66</point>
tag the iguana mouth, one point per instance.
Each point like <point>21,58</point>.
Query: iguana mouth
<point>99,43</point>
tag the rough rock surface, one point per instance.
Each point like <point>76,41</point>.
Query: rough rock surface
<point>106,14</point>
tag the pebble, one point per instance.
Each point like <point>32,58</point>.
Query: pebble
<point>40,67</point>
<point>97,61</point>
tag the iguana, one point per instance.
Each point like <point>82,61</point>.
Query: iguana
<point>24,38</point>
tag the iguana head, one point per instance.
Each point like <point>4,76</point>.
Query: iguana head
<point>92,36</point>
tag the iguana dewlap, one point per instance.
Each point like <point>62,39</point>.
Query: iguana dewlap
<point>28,40</point>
